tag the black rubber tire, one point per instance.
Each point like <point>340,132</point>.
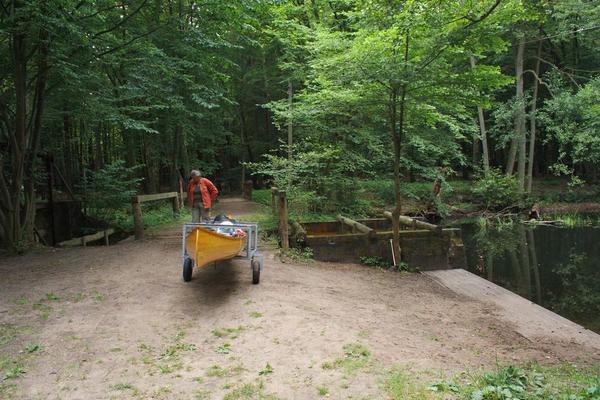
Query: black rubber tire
<point>188,268</point>
<point>255,272</point>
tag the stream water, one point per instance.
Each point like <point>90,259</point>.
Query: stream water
<point>556,267</point>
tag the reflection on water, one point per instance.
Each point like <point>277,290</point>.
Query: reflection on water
<point>558,268</point>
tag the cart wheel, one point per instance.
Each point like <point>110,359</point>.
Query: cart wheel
<point>188,268</point>
<point>255,272</point>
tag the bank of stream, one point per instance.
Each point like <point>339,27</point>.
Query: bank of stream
<point>557,267</point>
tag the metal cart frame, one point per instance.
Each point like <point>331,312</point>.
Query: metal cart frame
<point>249,252</point>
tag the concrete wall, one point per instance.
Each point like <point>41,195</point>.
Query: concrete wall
<point>424,249</point>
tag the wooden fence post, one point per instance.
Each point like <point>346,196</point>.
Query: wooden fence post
<point>138,224</point>
<point>283,222</point>
<point>247,191</point>
<point>176,208</point>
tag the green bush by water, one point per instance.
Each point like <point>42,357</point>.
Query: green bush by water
<point>495,190</point>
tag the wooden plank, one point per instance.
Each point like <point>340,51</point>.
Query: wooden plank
<point>408,221</point>
<point>83,240</point>
<point>525,317</point>
<point>356,226</point>
<point>142,198</point>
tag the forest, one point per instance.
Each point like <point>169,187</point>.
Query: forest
<point>415,184</point>
<point>328,99</point>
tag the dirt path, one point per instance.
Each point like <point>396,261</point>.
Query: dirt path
<point>120,323</point>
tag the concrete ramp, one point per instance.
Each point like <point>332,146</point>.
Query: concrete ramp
<point>529,319</point>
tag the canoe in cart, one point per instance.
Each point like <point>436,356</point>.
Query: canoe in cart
<point>205,246</point>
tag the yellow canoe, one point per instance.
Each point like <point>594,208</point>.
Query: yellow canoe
<point>205,246</point>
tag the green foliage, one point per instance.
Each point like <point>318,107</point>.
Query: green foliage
<point>110,188</point>
<point>323,391</point>
<point>302,255</point>
<point>371,261</point>
<point>262,196</point>
<point>318,178</point>
<point>399,384</point>
<point>496,190</point>
<point>267,370</point>
<point>356,357</point>
<point>379,262</point>
<point>231,333</point>
<point>572,118</point>
<point>225,348</point>
<point>529,382</point>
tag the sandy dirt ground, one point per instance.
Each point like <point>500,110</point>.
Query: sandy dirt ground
<point>119,322</point>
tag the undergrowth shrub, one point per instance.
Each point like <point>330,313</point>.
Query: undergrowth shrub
<point>496,190</point>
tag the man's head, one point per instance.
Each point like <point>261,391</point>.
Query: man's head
<point>195,175</point>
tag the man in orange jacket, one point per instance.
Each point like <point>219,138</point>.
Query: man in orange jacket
<point>201,194</point>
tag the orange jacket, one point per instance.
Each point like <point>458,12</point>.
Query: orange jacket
<point>207,189</point>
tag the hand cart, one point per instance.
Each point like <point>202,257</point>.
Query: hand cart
<point>202,245</point>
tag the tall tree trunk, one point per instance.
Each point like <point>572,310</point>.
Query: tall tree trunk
<point>175,149</point>
<point>482,132</point>
<point>520,117</point>
<point>532,120</point>
<point>17,190</point>
<point>397,142</point>
<point>397,137</point>
<point>290,123</point>
<point>515,142</point>
<point>242,148</point>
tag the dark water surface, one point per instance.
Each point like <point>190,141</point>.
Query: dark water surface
<point>556,267</point>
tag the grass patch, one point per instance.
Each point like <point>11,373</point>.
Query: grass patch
<point>8,333</point>
<point>99,297</point>
<point>267,370</point>
<point>575,220</point>
<point>79,297</point>
<point>33,348</point>
<point>14,372</point>
<point>167,361</point>
<point>231,333</point>
<point>256,314</point>
<point>399,385</point>
<point>44,310</point>
<point>323,391</point>
<point>52,297</point>
<point>529,382</point>
<point>299,255</point>
<point>225,348</point>
<point>216,371</point>
<point>534,382</point>
<point>22,301</point>
<point>201,395</point>
<point>249,391</point>
<point>356,357</point>
<point>262,196</point>
<point>123,387</point>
